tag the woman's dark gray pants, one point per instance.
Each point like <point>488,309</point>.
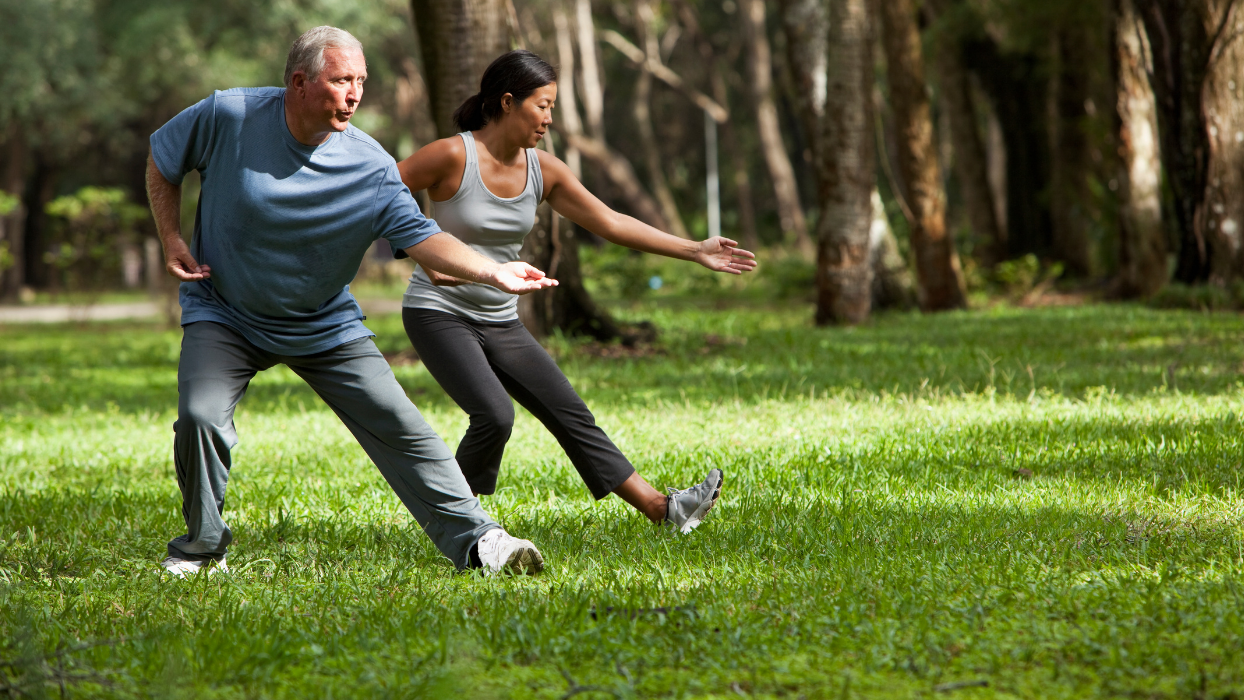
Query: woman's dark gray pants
<point>217,364</point>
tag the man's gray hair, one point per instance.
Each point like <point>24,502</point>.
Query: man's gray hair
<point>307,53</point>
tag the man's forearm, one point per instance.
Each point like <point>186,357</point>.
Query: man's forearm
<point>165,198</point>
<point>448,255</point>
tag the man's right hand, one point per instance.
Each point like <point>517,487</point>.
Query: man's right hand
<point>518,278</point>
<point>181,264</point>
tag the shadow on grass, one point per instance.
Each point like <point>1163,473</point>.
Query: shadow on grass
<point>1128,350</point>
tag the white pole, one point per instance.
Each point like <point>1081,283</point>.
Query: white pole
<point>710,163</point>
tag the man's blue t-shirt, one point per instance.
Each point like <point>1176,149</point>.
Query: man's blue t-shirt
<point>283,225</point>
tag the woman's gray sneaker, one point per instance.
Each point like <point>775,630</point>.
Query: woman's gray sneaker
<point>181,568</point>
<point>686,508</point>
<point>499,552</point>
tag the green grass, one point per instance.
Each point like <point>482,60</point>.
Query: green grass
<point>872,541</point>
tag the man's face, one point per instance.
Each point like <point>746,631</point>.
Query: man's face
<point>336,93</point>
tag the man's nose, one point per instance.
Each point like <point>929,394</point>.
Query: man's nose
<point>355,93</point>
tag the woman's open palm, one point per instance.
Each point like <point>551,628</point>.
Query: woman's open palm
<point>723,255</point>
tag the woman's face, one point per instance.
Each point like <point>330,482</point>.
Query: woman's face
<point>529,120</point>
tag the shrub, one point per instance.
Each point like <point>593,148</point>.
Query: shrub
<point>90,228</point>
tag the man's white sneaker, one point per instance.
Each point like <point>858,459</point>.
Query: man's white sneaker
<point>500,553</point>
<point>181,568</point>
<point>686,508</point>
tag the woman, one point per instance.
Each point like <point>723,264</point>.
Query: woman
<point>486,183</point>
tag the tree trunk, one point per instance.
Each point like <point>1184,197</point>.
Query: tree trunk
<point>937,263</point>
<point>742,182</point>
<point>551,246</point>
<point>42,185</point>
<point>892,286</point>
<point>1070,163</point>
<point>1142,240</point>
<point>970,161</point>
<point>618,172</point>
<point>1018,97</point>
<point>458,39</point>
<point>643,121</point>
<point>1181,49</point>
<point>593,88</point>
<point>569,112</point>
<point>1222,100</point>
<point>729,139</point>
<point>845,170</point>
<point>760,80</point>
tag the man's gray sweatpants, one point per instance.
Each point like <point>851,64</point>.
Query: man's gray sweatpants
<point>217,364</point>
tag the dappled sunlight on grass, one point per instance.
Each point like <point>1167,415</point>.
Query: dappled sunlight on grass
<point>906,504</point>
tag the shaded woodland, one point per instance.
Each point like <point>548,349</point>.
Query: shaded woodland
<point>913,150</point>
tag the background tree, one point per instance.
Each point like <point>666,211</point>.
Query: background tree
<point>760,81</point>
<point>457,40</point>
<point>1142,240</point>
<point>958,105</point>
<point>937,262</point>
<point>1196,64</point>
<point>830,49</point>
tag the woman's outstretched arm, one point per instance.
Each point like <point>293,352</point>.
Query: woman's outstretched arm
<point>571,199</point>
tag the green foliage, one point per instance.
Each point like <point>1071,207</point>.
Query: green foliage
<point>89,230</point>
<point>872,540</point>
<point>8,203</point>
<point>614,272</point>
<point>1204,297</point>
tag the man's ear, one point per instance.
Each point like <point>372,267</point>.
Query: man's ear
<point>298,82</point>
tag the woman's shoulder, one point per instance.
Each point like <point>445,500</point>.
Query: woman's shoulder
<point>444,153</point>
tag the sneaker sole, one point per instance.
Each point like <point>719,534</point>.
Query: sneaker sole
<point>700,513</point>
<point>525,560</point>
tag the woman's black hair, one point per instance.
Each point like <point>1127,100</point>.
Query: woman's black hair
<point>519,72</point>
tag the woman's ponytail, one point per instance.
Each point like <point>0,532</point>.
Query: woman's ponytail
<point>519,72</point>
<point>470,114</point>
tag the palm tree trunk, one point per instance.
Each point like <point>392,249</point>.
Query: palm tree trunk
<point>937,263</point>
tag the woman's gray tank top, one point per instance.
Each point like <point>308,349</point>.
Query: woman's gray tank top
<point>494,227</point>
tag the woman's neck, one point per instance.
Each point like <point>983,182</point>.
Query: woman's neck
<point>507,151</point>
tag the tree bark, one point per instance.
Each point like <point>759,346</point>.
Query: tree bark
<point>892,285</point>
<point>970,161</point>
<point>760,80</point>
<point>1142,240</point>
<point>458,39</point>
<point>1222,100</point>
<point>729,139</point>
<point>569,111</point>
<point>593,87</point>
<point>937,263</point>
<point>1182,47</point>
<point>551,246</point>
<point>642,111</point>
<point>844,166</point>
<point>1070,163</point>
<point>1018,97</point>
<point>618,171</point>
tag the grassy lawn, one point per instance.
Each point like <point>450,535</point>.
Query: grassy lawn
<point>877,537</point>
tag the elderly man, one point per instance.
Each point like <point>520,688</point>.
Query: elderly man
<point>293,196</point>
